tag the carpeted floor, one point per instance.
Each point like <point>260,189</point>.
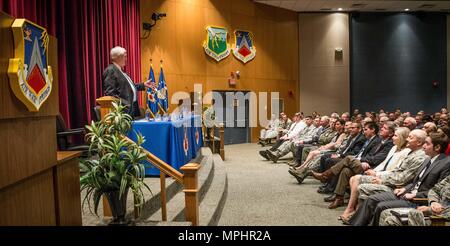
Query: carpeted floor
<point>261,193</point>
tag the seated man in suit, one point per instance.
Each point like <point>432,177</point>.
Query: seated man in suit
<point>395,156</point>
<point>373,152</point>
<point>118,84</point>
<point>438,200</point>
<point>435,168</point>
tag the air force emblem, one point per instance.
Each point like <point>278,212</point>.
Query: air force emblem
<point>29,75</point>
<point>243,49</point>
<point>216,43</point>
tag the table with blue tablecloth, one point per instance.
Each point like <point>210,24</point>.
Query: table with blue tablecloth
<point>175,142</point>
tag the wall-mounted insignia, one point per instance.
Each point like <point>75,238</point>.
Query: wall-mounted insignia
<point>216,43</point>
<point>29,75</point>
<point>243,48</point>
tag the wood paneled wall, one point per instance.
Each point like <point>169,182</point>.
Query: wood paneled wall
<point>178,39</point>
<point>324,74</point>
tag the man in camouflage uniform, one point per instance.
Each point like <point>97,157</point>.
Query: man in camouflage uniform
<point>289,145</point>
<point>402,174</point>
<point>439,204</point>
<point>324,125</point>
<point>326,137</point>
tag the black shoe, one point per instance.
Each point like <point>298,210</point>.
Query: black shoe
<point>272,157</point>
<point>298,177</point>
<point>324,191</point>
<point>330,198</point>
<point>263,153</point>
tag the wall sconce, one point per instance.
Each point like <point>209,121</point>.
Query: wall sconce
<point>338,51</point>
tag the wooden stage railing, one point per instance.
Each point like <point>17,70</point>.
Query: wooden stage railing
<point>189,177</point>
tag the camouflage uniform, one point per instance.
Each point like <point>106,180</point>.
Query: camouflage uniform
<point>400,176</point>
<point>324,138</point>
<point>439,193</point>
<point>314,164</point>
<point>289,146</point>
<point>414,217</point>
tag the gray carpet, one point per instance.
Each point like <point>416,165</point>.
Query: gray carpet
<point>264,194</point>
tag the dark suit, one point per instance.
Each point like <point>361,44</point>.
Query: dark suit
<point>116,84</point>
<point>371,208</point>
<point>374,153</point>
<point>352,147</point>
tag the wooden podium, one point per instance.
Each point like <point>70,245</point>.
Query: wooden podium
<point>37,185</point>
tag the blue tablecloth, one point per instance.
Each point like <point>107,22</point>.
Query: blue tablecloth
<point>174,142</point>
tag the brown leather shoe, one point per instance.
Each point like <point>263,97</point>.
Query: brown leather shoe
<point>323,177</point>
<point>338,202</point>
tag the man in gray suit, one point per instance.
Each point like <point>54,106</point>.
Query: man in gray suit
<point>432,170</point>
<point>118,84</point>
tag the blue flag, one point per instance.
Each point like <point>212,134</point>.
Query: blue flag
<point>162,92</point>
<point>152,99</point>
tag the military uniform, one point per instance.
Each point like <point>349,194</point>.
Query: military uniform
<point>400,176</point>
<point>289,145</point>
<point>209,117</point>
<point>440,193</point>
<point>326,137</point>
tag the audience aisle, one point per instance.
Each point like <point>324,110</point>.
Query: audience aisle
<point>264,194</point>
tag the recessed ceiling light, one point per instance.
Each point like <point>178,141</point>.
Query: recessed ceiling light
<point>406,9</point>
<point>339,9</point>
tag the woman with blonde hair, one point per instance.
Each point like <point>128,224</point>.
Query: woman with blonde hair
<point>394,157</point>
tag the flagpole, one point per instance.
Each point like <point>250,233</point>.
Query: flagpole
<point>159,105</point>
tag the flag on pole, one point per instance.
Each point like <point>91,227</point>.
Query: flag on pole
<point>162,92</point>
<point>152,100</point>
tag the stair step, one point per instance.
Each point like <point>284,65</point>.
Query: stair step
<point>152,200</point>
<point>212,204</point>
<point>175,207</point>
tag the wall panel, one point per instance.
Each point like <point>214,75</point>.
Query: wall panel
<point>178,39</point>
<point>324,75</point>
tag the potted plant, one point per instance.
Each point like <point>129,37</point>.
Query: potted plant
<point>118,167</point>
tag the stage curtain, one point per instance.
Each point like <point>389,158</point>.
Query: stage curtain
<point>86,31</point>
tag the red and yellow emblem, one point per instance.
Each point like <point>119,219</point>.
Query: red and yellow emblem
<point>29,75</point>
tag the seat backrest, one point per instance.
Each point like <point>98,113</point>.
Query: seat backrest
<point>60,124</point>
<point>96,113</point>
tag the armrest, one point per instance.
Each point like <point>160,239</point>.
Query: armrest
<point>420,201</point>
<point>71,132</point>
<point>437,220</point>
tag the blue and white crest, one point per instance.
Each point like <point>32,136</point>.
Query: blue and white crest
<point>243,49</point>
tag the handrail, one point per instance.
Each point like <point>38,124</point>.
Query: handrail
<point>189,179</point>
<point>161,165</point>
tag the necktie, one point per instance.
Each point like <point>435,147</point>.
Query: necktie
<point>387,163</point>
<point>419,180</point>
<point>348,146</point>
<point>362,150</point>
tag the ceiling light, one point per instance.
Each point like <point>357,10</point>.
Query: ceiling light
<point>339,9</point>
<point>406,9</point>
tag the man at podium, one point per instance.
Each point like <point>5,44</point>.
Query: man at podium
<point>119,84</point>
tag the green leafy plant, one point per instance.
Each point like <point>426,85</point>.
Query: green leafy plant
<point>119,165</point>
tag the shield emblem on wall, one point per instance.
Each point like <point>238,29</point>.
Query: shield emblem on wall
<point>243,48</point>
<point>29,75</point>
<point>216,43</point>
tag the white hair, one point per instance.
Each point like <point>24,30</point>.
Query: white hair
<point>419,134</point>
<point>117,52</point>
